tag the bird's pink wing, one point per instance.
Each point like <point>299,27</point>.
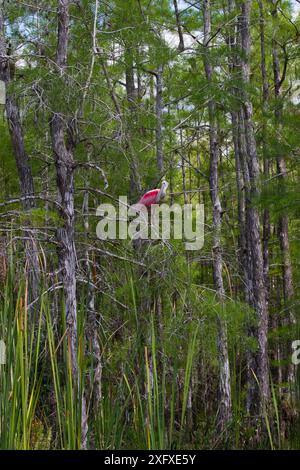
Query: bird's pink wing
<point>149,198</point>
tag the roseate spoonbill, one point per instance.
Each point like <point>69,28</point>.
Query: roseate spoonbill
<point>154,196</point>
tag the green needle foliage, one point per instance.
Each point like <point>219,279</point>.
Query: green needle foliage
<point>112,344</point>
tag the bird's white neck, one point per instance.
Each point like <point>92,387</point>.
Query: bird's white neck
<point>162,191</point>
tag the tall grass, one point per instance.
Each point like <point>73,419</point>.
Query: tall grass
<point>145,385</point>
<point>20,381</point>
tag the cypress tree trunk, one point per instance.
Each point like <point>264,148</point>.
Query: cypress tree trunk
<point>241,184</point>
<point>283,225</point>
<point>265,95</point>
<point>158,129</point>
<point>63,143</point>
<point>179,27</point>
<point>131,92</point>
<point>65,236</point>
<point>225,411</point>
<point>64,162</point>
<point>92,329</point>
<point>241,169</point>
<point>22,164</point>
<point>259,398</point>
<point>243,189</point>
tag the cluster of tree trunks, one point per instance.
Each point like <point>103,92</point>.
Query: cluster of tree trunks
<point>253,246</point>
<point>248,187</point>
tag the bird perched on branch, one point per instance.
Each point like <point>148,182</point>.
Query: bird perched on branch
<point>154,196</point>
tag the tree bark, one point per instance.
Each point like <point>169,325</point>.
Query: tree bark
<point>135,183</point>
<point>64,162</point>
<point>63,144</point>
<point>265,95</point>
<point>288,289</point>
<point>22,164</point>
<point>179,27</point>
<point>65,236</point>
<point>241,168</point>
<point>158,129</point>
<point>283,225</point>
<point>91,314</point>
<point>259,399</point>
<point>225,407</point>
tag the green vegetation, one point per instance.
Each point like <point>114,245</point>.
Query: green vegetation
<point>125,345</point>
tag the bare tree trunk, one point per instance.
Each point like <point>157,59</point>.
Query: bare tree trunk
<point>64,162</point>
<point>247,258</point>
<point>241,167</point>
<point>265,95</point>
<point>158,129</point>
<point>183,172</point>
<point>240,182</point>
<point>179,27</point>
<point>63,146</point>
<point>247,261</point>
<point>65,236</point>
<point>63,143</point>
<point>92,323</point>
<point>135,183</point>
<point>131,92</point>
<point>225,411</point>
<point>261,371</point>
<point>22,163</point>
<point>283,226</point>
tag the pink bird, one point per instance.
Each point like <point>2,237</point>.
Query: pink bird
<point>154,196</point>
